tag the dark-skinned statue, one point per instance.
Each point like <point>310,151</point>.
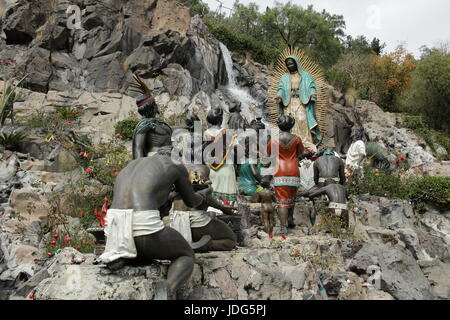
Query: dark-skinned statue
<point>207,233</point>
<point>265,197</point>
<point>328,166</point>
<point>337,197</point>
<point>287,177</point>
<point>134,228</point>
<point>236,120</point>
<point>297,96</point>
<point>151,132</point>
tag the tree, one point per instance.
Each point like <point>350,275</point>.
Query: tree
<point>319,34</point>
<point>377,47</point>
<point>429,94</point>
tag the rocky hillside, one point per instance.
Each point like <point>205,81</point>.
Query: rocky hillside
<point>86,72</point>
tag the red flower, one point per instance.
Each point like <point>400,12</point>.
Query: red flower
<point>49,254</point>
<point>83,241</point>
<point>56,121</point>
<point>88,170</point>
<point>114,170</point>
<point>270,236</point>
<point>56,236</point>
<point>92,241</point>
<point>32,296</point>
<point>283,236</point>
<point>402,159</point>
<point>53,242</point>
<point>116,173</point>
<point>297,252</point>
<point>81,213</point>
<point>67,239</point>
<point>69,122</point>
<point>78,247</point>
<point>118,135</point>
<point>397,162</point>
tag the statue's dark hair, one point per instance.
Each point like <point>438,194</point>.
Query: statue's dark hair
<point>358,134</point>
<point>285,123</point>
<point>257,124</point>
<point>149,109</point>
<point>215,116</point>
<point>265,181</point>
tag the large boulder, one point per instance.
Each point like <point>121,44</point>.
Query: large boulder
<point>401,275</point>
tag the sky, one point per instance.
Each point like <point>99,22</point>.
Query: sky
<point>412,23</point>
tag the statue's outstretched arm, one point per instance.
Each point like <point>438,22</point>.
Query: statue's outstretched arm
<point>317,193</point>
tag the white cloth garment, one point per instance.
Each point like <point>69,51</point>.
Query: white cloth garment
<point>355,154</point>
<point>183,221</point>
<point>322,180</point>
<point>307,174</point>
<point>337,207</point>
<point>199,218</point>
<point>179,220</point>
<point>122,225</point>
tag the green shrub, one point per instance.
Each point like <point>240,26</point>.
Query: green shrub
<point>419,125</point>
<point>10,141</point>
<point>434,191</point>
<point>338,79</point>
<point>377,183</point>
<point>125,128</point>
<point>242,44</point>
<point>68,114</point>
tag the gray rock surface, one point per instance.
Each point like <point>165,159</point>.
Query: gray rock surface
<point>401,275</point>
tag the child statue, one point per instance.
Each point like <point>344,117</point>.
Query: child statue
<point>265,197</point>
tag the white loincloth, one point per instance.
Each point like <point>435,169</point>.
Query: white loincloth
<point>337,207</point>
<point>179,220</point>
<point>183,221</point>
<point>322,180</point>
<point>122,225</point>
<point>199,218</point>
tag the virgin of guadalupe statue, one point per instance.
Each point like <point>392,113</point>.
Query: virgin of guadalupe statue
<point>298,90</point>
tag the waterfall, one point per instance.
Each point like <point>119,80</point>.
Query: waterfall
<point>249,104</point>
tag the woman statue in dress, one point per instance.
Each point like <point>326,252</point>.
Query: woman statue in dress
<point>296,96</point>
<point>287,177</point>
<point>222,174</point>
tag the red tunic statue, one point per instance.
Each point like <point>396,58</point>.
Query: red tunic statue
<point>287,177</point>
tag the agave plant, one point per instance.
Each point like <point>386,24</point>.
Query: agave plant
<point>374,151</point>
<point>7,98</point>
<point>10,141</point>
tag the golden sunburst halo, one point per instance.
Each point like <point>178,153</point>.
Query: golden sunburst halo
<point>314,69</point>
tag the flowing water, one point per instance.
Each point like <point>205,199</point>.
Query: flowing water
<point>249,104</point>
